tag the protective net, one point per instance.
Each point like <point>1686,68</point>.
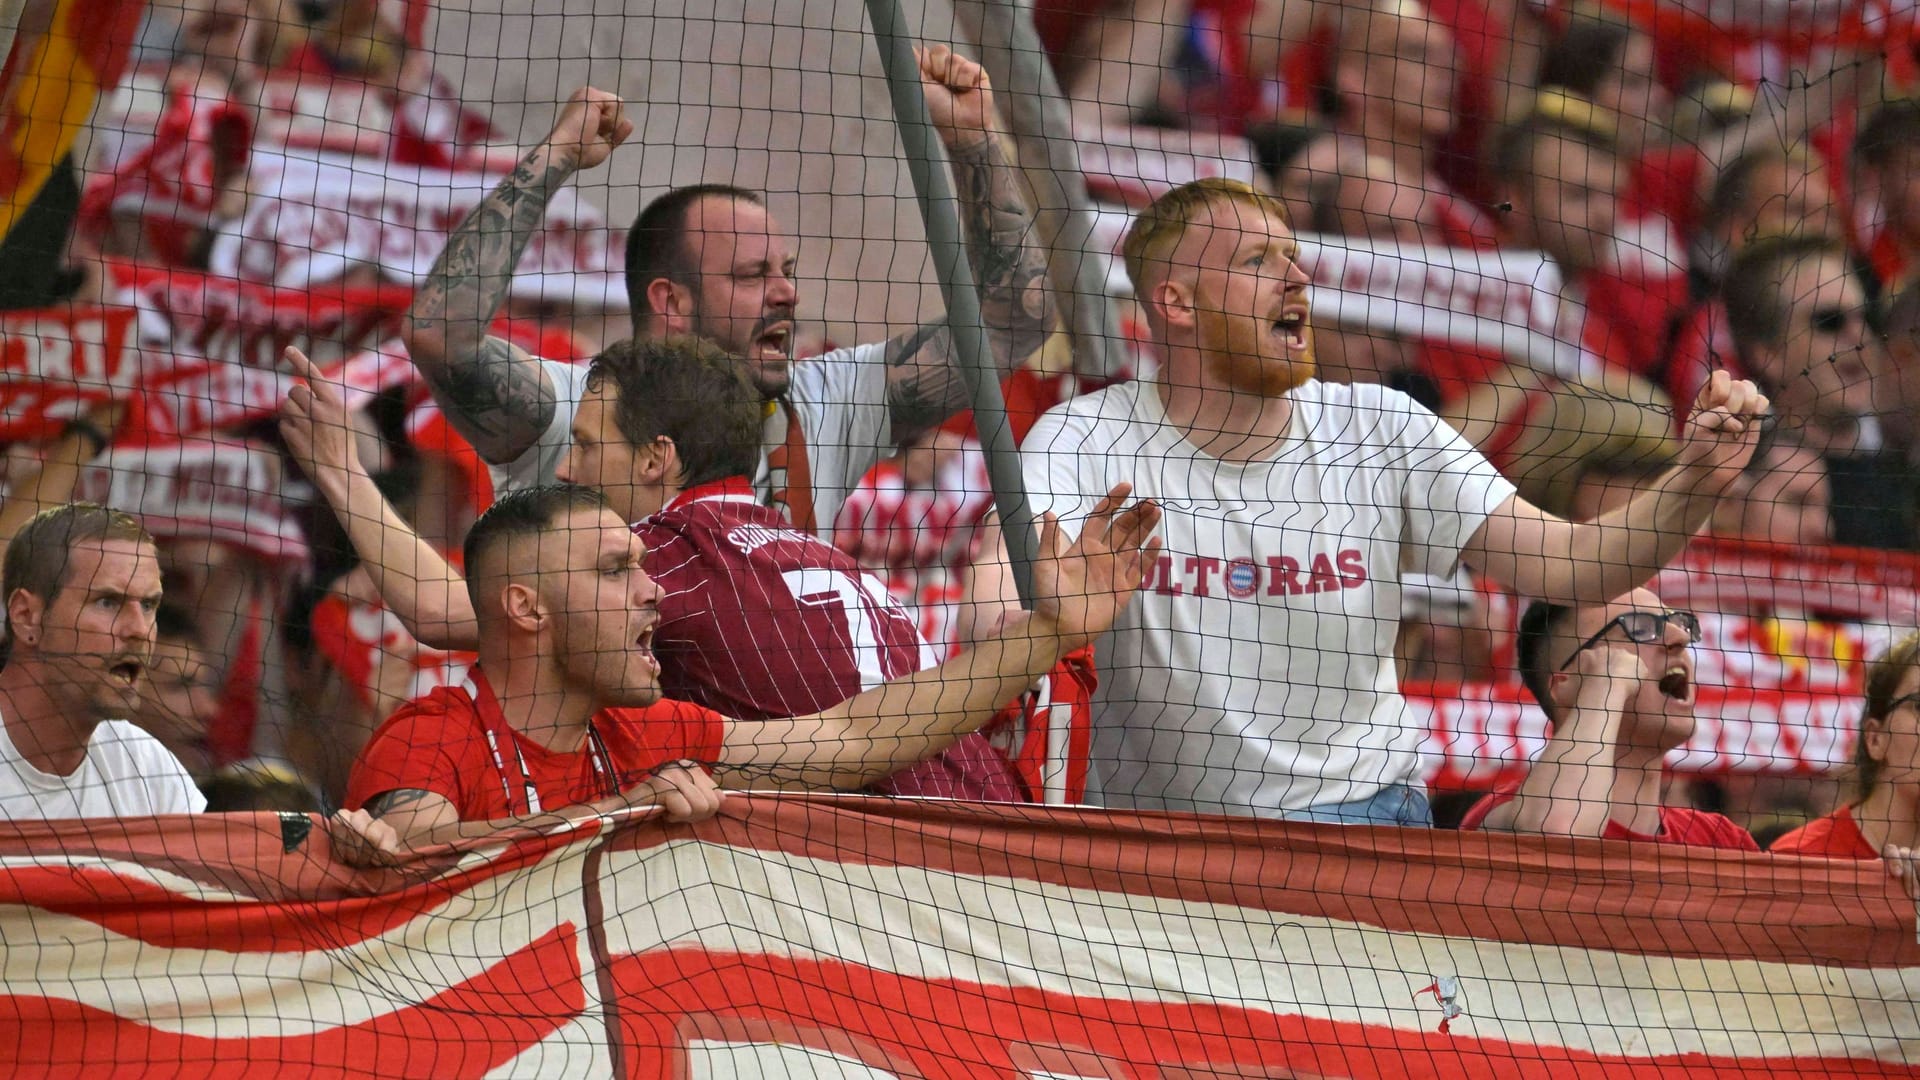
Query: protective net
<point>1101,538</point>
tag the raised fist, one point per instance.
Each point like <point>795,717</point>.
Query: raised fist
<point>1725,425</point>
<point>591,124</point>
<point>959,97</point>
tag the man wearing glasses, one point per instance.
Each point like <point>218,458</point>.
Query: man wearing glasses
<point>1616,682</point>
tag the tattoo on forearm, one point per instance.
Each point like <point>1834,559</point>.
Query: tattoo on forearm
<point>1008,264</point>
<point>494,398</point>
<point>400,799</point>
<point>504,401</point>
<point>1010,270</point>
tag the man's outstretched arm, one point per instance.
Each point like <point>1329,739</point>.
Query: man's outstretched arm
<point>1009,266</point>
<point>1080,589</point>
<point>1537,554</point>
<point>495,394</point>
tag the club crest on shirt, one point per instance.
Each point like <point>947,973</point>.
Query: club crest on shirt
<point>1245,577</point>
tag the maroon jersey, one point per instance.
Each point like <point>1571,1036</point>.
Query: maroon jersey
<point>760,620</point>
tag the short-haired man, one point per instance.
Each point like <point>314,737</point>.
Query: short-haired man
<point>82,585</point>
<point>1255,676</point>
<point>564,705</point>
<point>1561,170</point>
<point>757,619</point>
<point>1798,314</point>
<point>713,261</point>
<point>1616,682</point>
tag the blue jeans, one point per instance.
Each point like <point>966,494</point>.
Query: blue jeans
<point>1398,804</point>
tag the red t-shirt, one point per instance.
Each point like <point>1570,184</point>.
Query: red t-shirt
<point>1836,836</point>
<point>455,743</point>
<point>1678,824</point>
<point>760,620</point>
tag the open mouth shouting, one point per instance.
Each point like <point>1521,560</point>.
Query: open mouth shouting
<point>1677,683</point>
<point>127,671</point>
<point>643,644</point>
<point>774,341</point>
<point>1291,326</point>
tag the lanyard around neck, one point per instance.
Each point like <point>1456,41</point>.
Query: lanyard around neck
<point>598,757</point>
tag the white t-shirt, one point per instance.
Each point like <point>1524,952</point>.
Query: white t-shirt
<point>1254,673</point>
<point>126,773</point>
<point>840,398</point>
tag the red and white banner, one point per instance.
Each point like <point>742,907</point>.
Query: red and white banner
<point>312,218</point>
<point>57,363</point>
<point>209,488</point>
<point>816,936</point>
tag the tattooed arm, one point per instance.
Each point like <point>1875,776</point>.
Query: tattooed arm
<point>496,395</point>
<point>924,387</point>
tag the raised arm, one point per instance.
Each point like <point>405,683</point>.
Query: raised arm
<point>1082,589</point>
<point>1537,554</point>
<point>497,396</point>
<point>415,581</point>
<point>1009,266</point>
<point>1569,790</point>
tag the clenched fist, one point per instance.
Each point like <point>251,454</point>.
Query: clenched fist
<point>1725,425</point>
<point>959,97</point>
<point>591,124</point>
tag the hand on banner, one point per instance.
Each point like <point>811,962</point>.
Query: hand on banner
<point>1084,586</point>
<point>959,96</point>
<point>1903,866</point>
<point>357,838</point>
<point>591,124</point>
<point>315,425</point>
<point>1725,426</point>
<point>684,791</point>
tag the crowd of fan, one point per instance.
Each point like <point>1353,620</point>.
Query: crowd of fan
<point>1702,221</point>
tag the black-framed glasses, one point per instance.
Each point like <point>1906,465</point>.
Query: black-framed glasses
<point>1905,699</point>
<point>1642,628</point>
<point>1833,320</point>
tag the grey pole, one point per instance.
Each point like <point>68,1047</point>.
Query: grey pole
<point>925,163</point>
<point>1042,125</point>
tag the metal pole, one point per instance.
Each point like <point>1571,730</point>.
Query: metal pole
<point>925,161</point>
<point>1042,125</point>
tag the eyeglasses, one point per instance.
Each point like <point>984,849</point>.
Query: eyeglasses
<point>1642,628</point>
<point>1910,699</point>
<point>1833,320</point>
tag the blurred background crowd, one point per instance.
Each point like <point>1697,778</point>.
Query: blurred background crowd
<point>1741,193</point>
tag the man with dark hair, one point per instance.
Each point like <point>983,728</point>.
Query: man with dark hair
<point>565,706</point>
<point>1797,312</point>
<point>82,584</point>
<point>713,261</point>
<point>1616,683</point>
<point>757,619</point>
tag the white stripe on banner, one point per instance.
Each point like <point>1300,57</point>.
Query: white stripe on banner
<point>919,923</point>
<point>217,994</point>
